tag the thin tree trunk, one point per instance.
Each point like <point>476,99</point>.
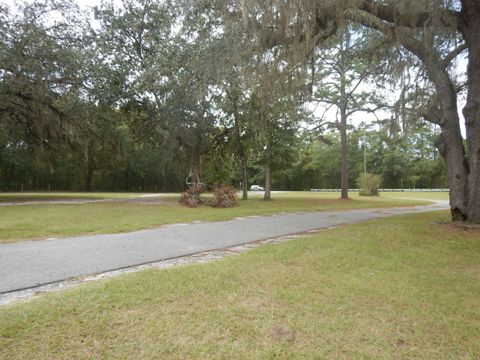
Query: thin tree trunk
<point>243,160</point>
<point>240,149</point>
<point>89,167</point>
<point>195,166</point>
<point>268,182</point>
<point>343,120</point>
<point>344,153</point>
<point>163,179</point>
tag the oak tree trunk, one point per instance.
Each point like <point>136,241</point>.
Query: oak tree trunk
<point>450,146</point>
<point>471,111</point>
<point>463,166</point>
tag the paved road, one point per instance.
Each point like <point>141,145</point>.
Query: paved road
<point>29,264</point>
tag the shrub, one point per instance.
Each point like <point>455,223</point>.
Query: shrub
<point>223,196</point>
<point>192,197</point>
<point>368,184</point>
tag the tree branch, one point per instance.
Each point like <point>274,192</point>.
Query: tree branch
<point>453,54</point>
<point>362,77</point>
<point>388,13</point>
<point>434,113</point>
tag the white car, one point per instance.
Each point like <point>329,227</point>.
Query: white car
<point>256,188</point>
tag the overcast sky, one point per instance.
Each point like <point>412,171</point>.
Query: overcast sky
<point>82,3</point>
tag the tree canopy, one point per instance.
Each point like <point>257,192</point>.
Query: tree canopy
<point>141,94</point>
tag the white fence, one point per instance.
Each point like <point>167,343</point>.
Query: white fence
<point>384,190</point>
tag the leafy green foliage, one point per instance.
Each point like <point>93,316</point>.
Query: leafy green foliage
<point>156,91</point>
<point>368,184</point>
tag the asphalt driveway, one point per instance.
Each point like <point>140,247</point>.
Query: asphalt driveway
<point>29,264</point>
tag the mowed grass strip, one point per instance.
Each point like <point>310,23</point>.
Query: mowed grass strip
<point>397,288</point>
<point>426,195</point>
<point>52,220</point>
<point>52,196</point>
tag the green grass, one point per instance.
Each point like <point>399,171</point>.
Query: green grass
<point>42,196</point>
<point>397,288</point>
<point>416,195</point>
<point>53,220</point>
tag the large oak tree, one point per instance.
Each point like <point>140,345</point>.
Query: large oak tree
<point>435,31</point>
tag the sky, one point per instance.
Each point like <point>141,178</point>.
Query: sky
<point>87,3</point>
<point>92,3</point>
<point>82,3</point>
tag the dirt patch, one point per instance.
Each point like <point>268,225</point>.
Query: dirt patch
<point>401,342</point>
<point>282,333</point>
<point>460,228</point>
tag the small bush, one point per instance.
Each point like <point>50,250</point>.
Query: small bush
<point>223,196</point>
<point>368,184</point>
<point>192,197</point>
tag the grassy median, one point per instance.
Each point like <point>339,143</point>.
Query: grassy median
<point>60,196</point>
<point>404,287</point>
<point>46,220</point>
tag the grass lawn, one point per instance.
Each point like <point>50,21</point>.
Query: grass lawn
<point>397,288</point>
<point>42,196</point>
<point>52,220</point>
<point>416,195</point>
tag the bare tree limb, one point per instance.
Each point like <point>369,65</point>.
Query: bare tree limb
<point>453,54</point>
